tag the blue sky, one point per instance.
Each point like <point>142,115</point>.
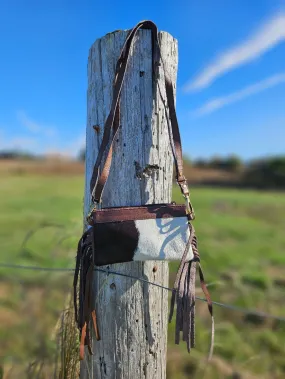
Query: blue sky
<point>231,73</point>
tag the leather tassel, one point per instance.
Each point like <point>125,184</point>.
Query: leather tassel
<point>83,293</point>
<point>183,294</point>
<point>94,319</point>
<point>179,304</point>
<point>82,342</point>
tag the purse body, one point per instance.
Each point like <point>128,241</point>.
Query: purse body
<point>140,233</point>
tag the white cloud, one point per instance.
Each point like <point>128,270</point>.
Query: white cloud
<point>41,139</point>
<point>17,143</point>
<point>34,126</point>
<point>220,102</point>
<point>270,34</point>
<point>71,148</point>
<point>23,143</point>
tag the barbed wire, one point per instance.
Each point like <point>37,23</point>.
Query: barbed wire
<point>113,272</point>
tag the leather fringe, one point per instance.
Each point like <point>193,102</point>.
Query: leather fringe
<point>83,294</point>
<point>183,294</point>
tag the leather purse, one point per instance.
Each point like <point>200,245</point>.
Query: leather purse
<point>139,233</point>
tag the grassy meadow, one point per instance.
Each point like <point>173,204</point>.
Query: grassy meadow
<point>241,241</point>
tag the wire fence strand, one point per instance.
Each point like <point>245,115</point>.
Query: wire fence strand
<point>108,272</point>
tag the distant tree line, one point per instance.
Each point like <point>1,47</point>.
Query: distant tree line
<point>231,163</point>
<point>81,155</point>
<point>259,173</point>
<point>262,173</point>
<point>16,154</point>
<point>266,173</point>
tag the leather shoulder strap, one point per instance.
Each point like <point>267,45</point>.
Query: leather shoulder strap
<point>97,182</point>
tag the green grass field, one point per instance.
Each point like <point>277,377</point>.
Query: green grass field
<point>241,242</point>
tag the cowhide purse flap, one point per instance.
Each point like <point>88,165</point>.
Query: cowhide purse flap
<point>140,233</point>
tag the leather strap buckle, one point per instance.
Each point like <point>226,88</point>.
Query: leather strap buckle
<point>89,218</point>
<point>182,182</point>
<point>189,208</point>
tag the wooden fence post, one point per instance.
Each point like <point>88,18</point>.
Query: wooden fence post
<point>132,316</point>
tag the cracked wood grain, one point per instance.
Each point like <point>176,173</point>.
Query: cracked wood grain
<point>132,316</point>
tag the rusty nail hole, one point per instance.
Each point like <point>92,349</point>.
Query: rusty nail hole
<point>154,269</point>
<point>113,286</point>
<point>141,73</point>
<point>96,128</point>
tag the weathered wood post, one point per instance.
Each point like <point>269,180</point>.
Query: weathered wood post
<point>132,316</point>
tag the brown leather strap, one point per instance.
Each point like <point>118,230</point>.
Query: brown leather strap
<point>97,182</point>
<point>96,190</point>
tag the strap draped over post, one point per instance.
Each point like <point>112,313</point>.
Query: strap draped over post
<point>98,181</point>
